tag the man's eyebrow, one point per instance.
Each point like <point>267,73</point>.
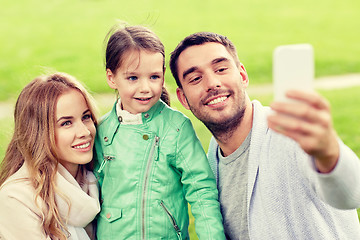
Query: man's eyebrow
<point>220,59</point>
<point>190,70</point>
<point>215,61</point>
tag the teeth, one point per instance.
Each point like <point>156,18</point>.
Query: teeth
<point>143,99</point>
<point>82,146</point>
<point>216,100</point>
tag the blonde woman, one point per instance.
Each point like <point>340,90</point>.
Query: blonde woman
<point>47,189</point>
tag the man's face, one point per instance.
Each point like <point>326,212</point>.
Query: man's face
<point>213,87</point>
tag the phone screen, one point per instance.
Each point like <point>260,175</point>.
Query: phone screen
<point>293,68</point>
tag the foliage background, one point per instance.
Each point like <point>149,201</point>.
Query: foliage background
<point>67,35</point>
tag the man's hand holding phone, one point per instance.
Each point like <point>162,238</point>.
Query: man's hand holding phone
<point>299,112</point>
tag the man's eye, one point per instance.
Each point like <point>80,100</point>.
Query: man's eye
<point>195,79</point>
<point>221,69</point>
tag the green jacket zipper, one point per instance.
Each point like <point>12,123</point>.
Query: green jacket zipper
<point>148,166</point>
<point>106,159</point>
<point>172,220</point>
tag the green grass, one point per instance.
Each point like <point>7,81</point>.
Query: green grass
<point>67,35</point>
<point>346,116</point>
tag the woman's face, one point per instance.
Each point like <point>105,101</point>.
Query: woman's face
<point>74,130</point>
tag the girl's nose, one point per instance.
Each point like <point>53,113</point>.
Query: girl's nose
<point>145,86</point>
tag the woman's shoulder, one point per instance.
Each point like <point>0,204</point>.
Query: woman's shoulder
<point>20,215</point>
<point>17,193</point>
<point>18,187</point>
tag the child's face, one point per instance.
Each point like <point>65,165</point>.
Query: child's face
<point>139,80</point>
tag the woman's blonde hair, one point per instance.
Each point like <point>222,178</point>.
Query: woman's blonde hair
<point>33,142</point>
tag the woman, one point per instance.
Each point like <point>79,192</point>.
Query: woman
<point>47,189</point>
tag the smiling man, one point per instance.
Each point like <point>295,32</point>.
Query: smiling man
<point>281,174</point>
<point>215,91</point>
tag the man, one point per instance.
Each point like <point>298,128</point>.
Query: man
<point>282,174</point>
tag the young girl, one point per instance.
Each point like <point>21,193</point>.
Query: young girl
<point>47,188</point>
<point>150,162</point>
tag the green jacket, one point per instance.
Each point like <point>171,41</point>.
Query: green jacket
<point>148,173</point>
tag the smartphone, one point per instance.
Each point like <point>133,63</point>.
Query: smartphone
<point>293,68</point>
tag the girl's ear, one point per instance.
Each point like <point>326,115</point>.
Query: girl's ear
<point>110,79</point>
<point>182,98</point>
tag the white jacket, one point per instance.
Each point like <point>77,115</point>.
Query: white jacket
<point>20,218</point>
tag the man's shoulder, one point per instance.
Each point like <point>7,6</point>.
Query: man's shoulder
<point>212,150</point>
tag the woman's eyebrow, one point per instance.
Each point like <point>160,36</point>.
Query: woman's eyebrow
<point>86,111</point>
<point>64,118</point>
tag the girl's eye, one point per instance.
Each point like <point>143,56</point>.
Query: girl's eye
<point>66,123</point>
<point>155,77</point>
<point>132,78</point>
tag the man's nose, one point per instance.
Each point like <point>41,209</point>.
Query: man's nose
<point>213,82</point>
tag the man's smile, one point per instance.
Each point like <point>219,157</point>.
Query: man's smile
<point>217,100</point>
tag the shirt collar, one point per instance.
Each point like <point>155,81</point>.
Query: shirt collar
<point>125,117</point>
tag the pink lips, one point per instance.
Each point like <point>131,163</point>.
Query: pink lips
<point>83,147</point>
<point>143,100</point>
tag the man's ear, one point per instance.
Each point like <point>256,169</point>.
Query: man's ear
<point>243,73</point>
<point>182,98</point>
<point>110,79</point>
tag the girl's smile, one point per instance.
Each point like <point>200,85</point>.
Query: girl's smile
<point>138,80</point>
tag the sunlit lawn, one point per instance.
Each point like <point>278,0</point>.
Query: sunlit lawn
<point>67,35</point>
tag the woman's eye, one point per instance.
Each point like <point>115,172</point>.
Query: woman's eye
<point>66,123</point>
<point>87,117</point>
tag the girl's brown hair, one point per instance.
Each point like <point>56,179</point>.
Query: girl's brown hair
<point>33,142</point>
<point>121,39</point>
